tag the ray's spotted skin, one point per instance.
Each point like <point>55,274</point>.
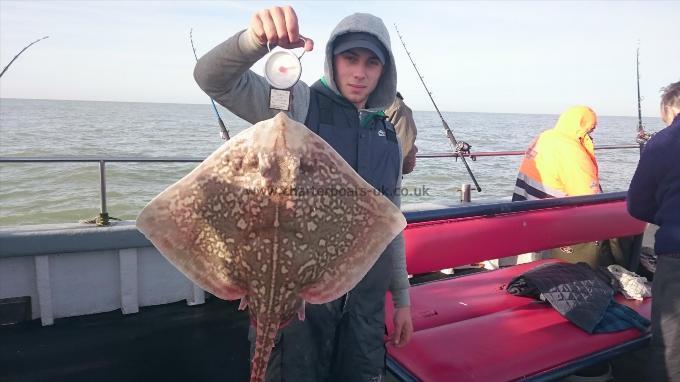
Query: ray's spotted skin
<point>270,218</point>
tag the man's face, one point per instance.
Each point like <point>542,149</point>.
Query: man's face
<point>357,72</point>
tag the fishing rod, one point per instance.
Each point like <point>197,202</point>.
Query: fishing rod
<point>224,133</point>
<point>18,54</point>
<point>642,135</point>
<point>456,146</point>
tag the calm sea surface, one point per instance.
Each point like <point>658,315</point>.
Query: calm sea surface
<point>33,193</point>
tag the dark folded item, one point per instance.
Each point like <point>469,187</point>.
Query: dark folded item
<point>580,294</point>
<point>606,276</point>
<point>619,317</point>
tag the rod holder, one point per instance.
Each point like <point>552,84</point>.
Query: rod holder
<point>465,194</point>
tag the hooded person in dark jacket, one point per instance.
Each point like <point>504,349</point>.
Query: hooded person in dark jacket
<point>342,340</point>
<point>654,196</point>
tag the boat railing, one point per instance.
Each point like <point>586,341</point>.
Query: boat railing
<point>103,218</point>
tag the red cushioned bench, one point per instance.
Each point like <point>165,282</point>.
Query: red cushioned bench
<point>470,328</point>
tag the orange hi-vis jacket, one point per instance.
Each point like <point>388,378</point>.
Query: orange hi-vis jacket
<point>561,161</point>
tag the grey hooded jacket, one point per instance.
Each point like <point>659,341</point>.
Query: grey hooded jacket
<point>224,74</point>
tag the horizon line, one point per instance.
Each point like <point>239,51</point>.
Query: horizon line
<point>192,103</point>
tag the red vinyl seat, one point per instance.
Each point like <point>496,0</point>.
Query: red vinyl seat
<point>462,298</point>
<point>505,345</point>
<point>470,328</point>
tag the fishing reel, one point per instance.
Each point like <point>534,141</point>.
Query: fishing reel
<point>463,149</point>
<point>642,137</point>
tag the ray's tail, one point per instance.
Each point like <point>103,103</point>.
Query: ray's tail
<point>264,343</point>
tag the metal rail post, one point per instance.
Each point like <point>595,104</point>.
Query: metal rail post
<point>465,196</point>
<point>103,218</point>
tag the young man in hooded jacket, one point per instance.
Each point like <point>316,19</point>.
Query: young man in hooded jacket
<point>341,340</point>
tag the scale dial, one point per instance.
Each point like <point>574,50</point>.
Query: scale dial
<point>282,69</point>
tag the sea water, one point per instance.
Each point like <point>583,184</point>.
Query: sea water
<point>32,193</point>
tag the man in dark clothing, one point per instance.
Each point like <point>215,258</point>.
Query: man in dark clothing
<point>342,340</point>
<point>654,196</point>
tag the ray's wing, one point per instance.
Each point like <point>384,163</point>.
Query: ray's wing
<point>347,227</point>
<point>192,224</point>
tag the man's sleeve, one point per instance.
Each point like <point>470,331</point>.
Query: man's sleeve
<point>224,74</point>
<point>399,284</point>
<point>579,175</point>
<point>641,198</point>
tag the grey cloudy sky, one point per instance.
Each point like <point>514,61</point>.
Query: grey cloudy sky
<point>521,57</point>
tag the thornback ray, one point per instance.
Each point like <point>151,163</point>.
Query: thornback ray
<point>274,217</point>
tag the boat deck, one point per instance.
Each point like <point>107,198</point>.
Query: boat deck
<point>173,342</point>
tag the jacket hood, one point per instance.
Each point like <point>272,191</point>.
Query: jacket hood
<point>576,123</point>
<point>386,90</point>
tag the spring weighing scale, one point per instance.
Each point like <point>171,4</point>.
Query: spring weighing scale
<point>282,70</point>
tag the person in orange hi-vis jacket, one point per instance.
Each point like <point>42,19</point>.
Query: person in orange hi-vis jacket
<point>561,161</point>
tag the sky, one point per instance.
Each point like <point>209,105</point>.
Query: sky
<point>503,57</point>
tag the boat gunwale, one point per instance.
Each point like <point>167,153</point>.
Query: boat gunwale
<point>52,239</point>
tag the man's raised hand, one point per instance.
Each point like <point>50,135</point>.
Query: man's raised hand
<point>279,26</point>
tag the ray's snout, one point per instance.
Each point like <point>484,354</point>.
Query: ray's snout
<point>281,133</point>
<point>274,136</point>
